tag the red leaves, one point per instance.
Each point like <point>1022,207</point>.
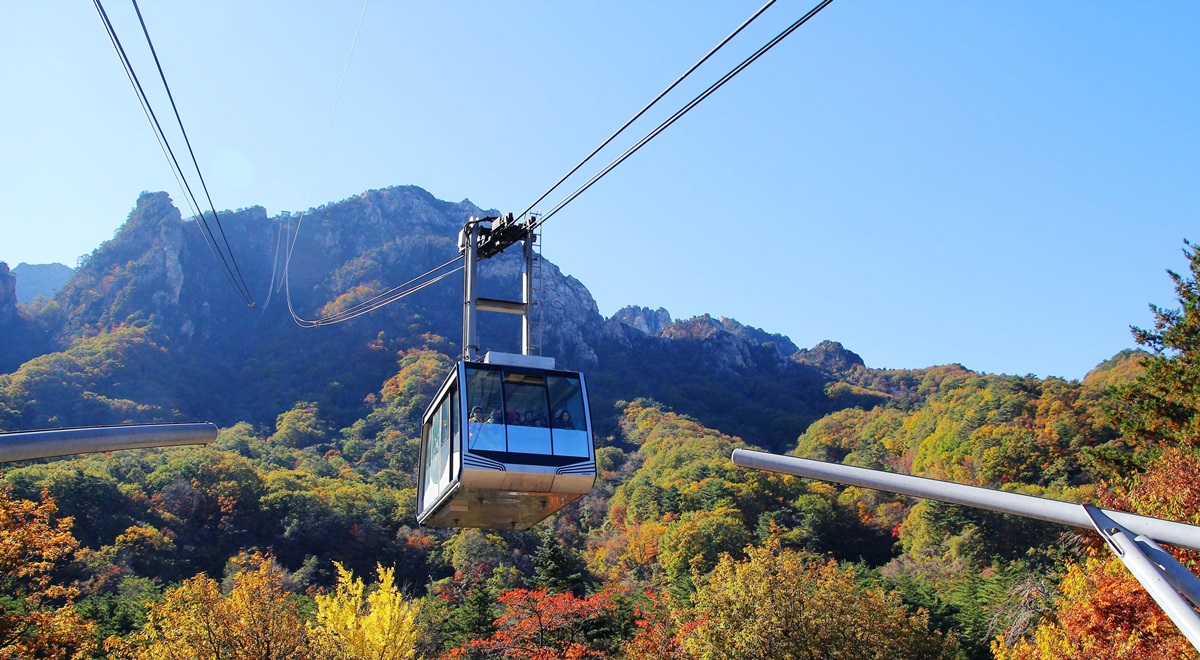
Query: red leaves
<point>538,625</point>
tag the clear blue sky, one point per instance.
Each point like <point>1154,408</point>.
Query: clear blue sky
<point>996,184</point>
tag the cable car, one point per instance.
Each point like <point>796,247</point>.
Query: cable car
<point>505,443</point>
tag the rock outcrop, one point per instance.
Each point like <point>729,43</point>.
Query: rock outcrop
<point>830,357</point>
<point>647,321</point>
<point>8,295</point>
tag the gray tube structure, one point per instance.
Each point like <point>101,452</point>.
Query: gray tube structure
<point>1028,506</point>
<point>1167,581</point>
<point>28,445</point>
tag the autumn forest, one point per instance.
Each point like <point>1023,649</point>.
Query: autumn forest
<point>294,535</point>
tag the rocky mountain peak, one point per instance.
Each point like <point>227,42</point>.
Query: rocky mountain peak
<point>643,319</point>
<point>781,343</point>
<point>829,356</point>
<point>8,294</point>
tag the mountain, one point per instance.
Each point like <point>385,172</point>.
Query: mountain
<point>219,360</point>
<point>23,338</point>
<point>316,459</point>
<point>153,302</point>
<point>35,280</point>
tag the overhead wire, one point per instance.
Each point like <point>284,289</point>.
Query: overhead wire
<point>155,127</point>
<point>383,299</point>
<point>245,290</point>
<point>432,276</point>
<point>410,287</point>
<point>388,297</point>
<point>295,236</point>
<point>649,105</point>
<point>165,145</point>
<point>274,268</point>
<point>680,113</point>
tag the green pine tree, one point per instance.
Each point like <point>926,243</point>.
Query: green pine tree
<point>559,568</point>
<point>1162,407</point>
<point>475,618</point>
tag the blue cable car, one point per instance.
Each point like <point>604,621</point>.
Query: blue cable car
<point>504,444</point>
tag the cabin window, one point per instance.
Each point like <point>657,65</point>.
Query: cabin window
<point>528,416</point>
<point>526,413</point>
<point>438,446</point>
<point>485,413</point>
<point>568,422</point>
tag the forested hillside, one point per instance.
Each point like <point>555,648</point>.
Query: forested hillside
<point>294,535</point>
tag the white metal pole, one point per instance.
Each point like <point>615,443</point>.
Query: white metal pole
<point>1147,573</point>
<point>527,297</point>
<point>1066,513</point>
<point>29,445</point>
<point>469,246</point>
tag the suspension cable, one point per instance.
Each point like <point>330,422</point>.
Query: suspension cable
<point>244,289</point>
<point>681,112</point>
<point>164,143</point>
<point>386,298</point>
<point>649,105</point>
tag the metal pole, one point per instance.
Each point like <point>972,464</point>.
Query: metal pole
<point>1066,513</point>
<point>527,297</point>
<point>28,445</point>
<point>469,246</point>
<point>1149,574</point>
<point>1179,576</point>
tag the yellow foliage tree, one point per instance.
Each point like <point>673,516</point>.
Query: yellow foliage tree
<point>785,605</point>
<point>36,616</point>
<point>256,620</point>
<point>354,625</point>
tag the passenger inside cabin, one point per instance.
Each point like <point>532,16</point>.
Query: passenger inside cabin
<point>477,415</point>
<point>563,421</point>
<point>529,419</point>
<point>496,418</point>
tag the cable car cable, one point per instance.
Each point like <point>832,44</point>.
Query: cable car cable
<point>295,237</point>
<point>380,300</point>
<point>245,290</point>
<point>385,297</point>
<point>160,136</point>
<point>681,112</point>
<point>395,293</point>
<point>649,105</point>
<point>347,316</point>
<point>274,269</point>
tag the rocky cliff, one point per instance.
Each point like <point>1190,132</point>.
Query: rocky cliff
<point>643,319</point>
<point>8,295</point>
<point>830,357</point>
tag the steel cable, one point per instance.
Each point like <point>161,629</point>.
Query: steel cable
<point>675,117</point>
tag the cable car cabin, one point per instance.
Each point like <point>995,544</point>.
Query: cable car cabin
<point>505,443</point>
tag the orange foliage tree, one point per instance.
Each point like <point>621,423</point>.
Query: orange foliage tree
<point>659,633</point>
<point>1102,611</point>
<point>539,625</point>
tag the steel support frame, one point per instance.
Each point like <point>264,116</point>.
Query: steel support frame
<point>468,245</point>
